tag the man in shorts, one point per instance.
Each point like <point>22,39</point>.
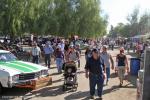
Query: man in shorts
<point>122,64</point>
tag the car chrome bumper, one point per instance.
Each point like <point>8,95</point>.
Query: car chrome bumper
<point>47,80</point>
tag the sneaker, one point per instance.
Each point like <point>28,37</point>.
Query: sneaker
<point>91,97</point>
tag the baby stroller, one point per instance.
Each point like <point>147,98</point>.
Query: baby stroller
<point>70,76</point>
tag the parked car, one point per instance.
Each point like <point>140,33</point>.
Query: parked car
<point>16,73</point>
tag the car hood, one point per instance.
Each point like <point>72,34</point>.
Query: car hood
<point>18,67</point>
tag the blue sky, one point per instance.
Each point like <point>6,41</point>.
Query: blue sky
<point>118,10</point>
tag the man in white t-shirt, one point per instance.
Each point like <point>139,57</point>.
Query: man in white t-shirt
<point>107,58</point>
<point>36,52</point>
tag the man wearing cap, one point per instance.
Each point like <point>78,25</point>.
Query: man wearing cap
<point>95,70</point>
<point>48,50</point>
<point>122,64</point>
<point>107,60</point>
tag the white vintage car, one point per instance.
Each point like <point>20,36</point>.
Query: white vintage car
<point>15,73</point>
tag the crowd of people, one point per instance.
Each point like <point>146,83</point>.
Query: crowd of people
<point>99,61</point>
<point>62,52</point>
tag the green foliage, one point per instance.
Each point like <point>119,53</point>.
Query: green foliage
<point>55,17</point>
<point>136,25</point>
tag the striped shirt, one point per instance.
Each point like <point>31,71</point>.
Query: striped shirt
<point>36,51</point>
<point>106,57</point>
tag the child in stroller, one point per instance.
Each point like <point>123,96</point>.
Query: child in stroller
<point>70,76</point>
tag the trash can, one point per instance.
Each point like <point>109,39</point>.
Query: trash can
<point>134,66</point>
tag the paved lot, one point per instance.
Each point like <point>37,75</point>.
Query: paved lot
<point>54,92</point>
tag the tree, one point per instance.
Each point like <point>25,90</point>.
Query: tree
<point>11,16</point>
<point>133,20</point>
<point>136,25</point>
<point>55,17</point>
<point>144,23</point>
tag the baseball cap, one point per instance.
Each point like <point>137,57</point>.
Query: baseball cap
<point>95,50</point>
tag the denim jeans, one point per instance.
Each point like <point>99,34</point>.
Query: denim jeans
<point>108,73</point>
<point>35,59</point>
<point>96,80</point>
<point>59,63</point>
<point>47,60</point>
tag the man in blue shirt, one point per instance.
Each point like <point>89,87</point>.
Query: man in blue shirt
<point>95,70</point>
<point>48,50</point>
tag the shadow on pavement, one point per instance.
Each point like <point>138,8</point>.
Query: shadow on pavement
<point>112,89</point>
<point>113,75</point>
<point>53,74</point>
<point>59,80</point>
<point>129,85</point>
<point>14,92</point>
<point>80,72</point>
<point>78,96</point>
<point>45,92</point>
<point>132,80</point>
<point>28,94</point>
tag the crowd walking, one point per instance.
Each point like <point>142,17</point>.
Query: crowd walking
<point>99,61</point>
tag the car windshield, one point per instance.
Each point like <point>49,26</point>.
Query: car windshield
<point>7,57</point>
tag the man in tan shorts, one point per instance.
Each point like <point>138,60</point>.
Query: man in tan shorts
<point>122,64</point>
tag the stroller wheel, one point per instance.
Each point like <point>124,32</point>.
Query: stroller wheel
<point>75,88</point>
<point>76,85</point>
<point>64,88</point>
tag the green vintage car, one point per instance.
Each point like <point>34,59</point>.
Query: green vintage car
<point>15,73</point>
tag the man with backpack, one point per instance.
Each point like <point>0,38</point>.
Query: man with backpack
<point>95,70</point>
